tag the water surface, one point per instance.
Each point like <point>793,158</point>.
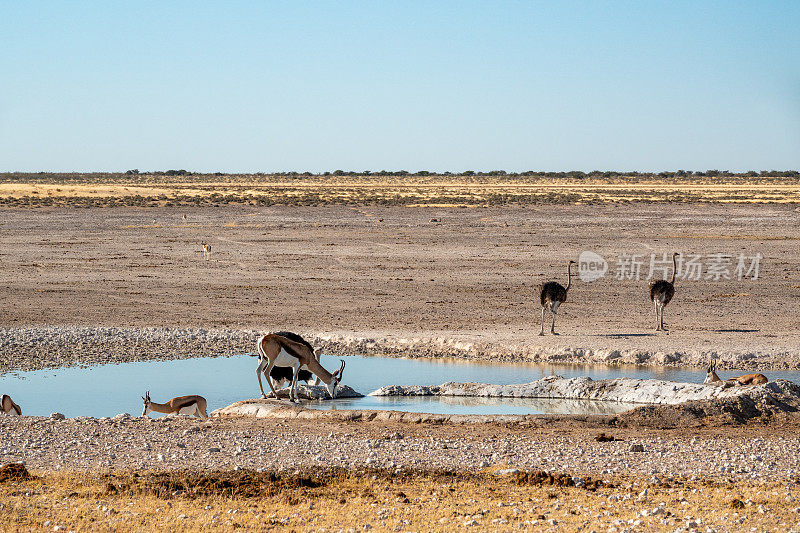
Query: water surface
<point>107,390</point>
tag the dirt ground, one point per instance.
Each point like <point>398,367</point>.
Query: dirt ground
<point>461,273</point>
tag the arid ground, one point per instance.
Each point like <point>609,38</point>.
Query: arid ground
<point>374,272</point>
<point>460,265</point>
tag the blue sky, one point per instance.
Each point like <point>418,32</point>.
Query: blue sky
<point>271,86</point>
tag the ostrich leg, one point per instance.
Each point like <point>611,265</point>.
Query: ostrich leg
<point>655,309</point>
<point>541,333</point>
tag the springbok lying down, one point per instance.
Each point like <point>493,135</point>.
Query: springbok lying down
<point>182,405</point>
<point>748,379</point>
<point>8,407</point>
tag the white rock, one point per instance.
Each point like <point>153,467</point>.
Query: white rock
<point>626,390</point>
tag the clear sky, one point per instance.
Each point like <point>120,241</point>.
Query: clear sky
<point>433,85</point>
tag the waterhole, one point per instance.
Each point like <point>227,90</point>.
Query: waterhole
<point>107,390</point>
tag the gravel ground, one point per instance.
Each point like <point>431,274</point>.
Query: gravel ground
<point>124,442</point>
<point>38,347</point>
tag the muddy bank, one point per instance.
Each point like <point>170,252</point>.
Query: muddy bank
<point>763,358</point>
<point>38,347</point>
<point>627,390</point>
<point>669,404</point>
<point>35,348</point>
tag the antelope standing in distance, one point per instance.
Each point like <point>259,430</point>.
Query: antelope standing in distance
<point>661,292</point>
<point>748,379</point>
<point>554,294</point>
<point>288,349</point>
<point>182,405</point>
<point>8,407</point>
<point>206,250</point>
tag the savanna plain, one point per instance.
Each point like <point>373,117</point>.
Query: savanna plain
<point>110,268</point>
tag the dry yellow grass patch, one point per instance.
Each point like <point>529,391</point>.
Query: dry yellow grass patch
<point>434,191</point>
<point>90,190</point>
<point>344,500</point>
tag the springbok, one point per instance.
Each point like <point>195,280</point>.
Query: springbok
<point>280,375</point>
<point>8,407</point>
<point>182,405</point>
<point>748,379</point>
<point>279,349</point>
<point>206,250</point>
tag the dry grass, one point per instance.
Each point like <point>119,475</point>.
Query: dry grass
<point>340,500</point>
<point>435,191</point>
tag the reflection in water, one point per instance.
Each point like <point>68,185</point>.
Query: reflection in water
<point>107,390</point>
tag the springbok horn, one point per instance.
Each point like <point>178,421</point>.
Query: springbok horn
<point>341,369</point>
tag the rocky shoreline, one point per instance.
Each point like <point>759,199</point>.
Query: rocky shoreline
<point>40,347</point>
<point>626,390</point>
<point>125,442</point>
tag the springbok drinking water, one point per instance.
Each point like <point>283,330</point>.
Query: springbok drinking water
<point>280,349</point>
<point>182,405</point>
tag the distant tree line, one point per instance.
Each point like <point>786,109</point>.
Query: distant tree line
<point>573,174</point>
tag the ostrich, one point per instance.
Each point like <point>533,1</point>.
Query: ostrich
<point>661,292</point>
<point>554,294</point>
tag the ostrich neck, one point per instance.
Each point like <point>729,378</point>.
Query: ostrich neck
<point>674,268</point>
<point>569,276</point>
